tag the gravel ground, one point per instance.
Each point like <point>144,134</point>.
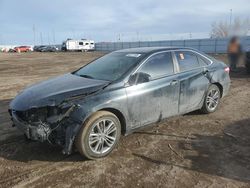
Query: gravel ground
<point>192,150</point>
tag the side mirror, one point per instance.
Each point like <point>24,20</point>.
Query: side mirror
<point>138,78</point>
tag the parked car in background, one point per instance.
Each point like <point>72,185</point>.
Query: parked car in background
<point>22,48</point>
<point>48,49</point>
<point>36,48</point>
<point>117,94</point>
<point>78,45</point>
<point>12,50</point>
<point>7,49</point>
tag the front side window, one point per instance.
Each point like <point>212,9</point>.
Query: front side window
<point>187,60</point>
<point>158,65</point>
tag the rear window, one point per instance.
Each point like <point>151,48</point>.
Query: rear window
<point>203,61</point>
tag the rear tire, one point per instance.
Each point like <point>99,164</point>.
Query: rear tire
<point>99,135</point>
<point>212,99</point>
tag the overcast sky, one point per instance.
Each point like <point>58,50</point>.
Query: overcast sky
<point>105,20</point>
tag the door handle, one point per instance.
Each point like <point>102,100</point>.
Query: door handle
<point>174,82</point>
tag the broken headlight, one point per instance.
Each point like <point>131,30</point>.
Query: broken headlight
<point>34,115</point>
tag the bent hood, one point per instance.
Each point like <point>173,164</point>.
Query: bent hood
<point>54,91</point>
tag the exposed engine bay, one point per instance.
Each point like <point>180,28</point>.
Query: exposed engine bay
<point>49,123</point>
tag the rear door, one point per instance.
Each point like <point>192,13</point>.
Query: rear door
<point>156,99</point>
<point>193,81</point>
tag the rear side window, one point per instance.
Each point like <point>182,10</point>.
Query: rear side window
<point>203,61</point>
<point>187,60</point>
<point>158,65</point>
<point>80,43</point>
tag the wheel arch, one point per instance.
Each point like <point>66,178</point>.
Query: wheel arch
<point>119,115</point>
<point>220,87</point>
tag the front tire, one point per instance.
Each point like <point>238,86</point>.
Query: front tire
<point>212,99</point>
<point>99,135</point>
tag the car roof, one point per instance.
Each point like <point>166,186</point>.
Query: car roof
<point>151,49</point>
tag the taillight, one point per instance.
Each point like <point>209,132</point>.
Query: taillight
<point>227,69</point>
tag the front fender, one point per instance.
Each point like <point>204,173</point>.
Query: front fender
<point>116,99</point>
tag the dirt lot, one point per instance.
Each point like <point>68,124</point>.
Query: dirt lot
<point>193,150</point>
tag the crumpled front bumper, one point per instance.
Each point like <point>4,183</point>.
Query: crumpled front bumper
<point>59,130</point>
<point>39,132</point>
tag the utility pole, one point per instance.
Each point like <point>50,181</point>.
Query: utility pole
<point>48,39</point>
<point>54,37</point>
<point>119,37</point>
<point>231,12</point>
<point>41,38</point>
<point>230,22</point>
<point>190,35</point>
<point>137,35</point>
<point>34,34</point>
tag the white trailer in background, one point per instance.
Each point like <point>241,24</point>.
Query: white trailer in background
<point>78,45</point>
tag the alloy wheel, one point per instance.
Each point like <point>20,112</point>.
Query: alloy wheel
<point>212,100</point>
<point>102,136</point>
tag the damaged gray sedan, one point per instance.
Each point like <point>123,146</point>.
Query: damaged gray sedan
<point>116,94</point>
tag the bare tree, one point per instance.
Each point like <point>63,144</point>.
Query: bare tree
<point>224,29</point>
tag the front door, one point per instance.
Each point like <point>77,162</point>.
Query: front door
<point>151,101</point>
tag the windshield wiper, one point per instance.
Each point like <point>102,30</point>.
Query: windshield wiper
<point>85,76</point>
